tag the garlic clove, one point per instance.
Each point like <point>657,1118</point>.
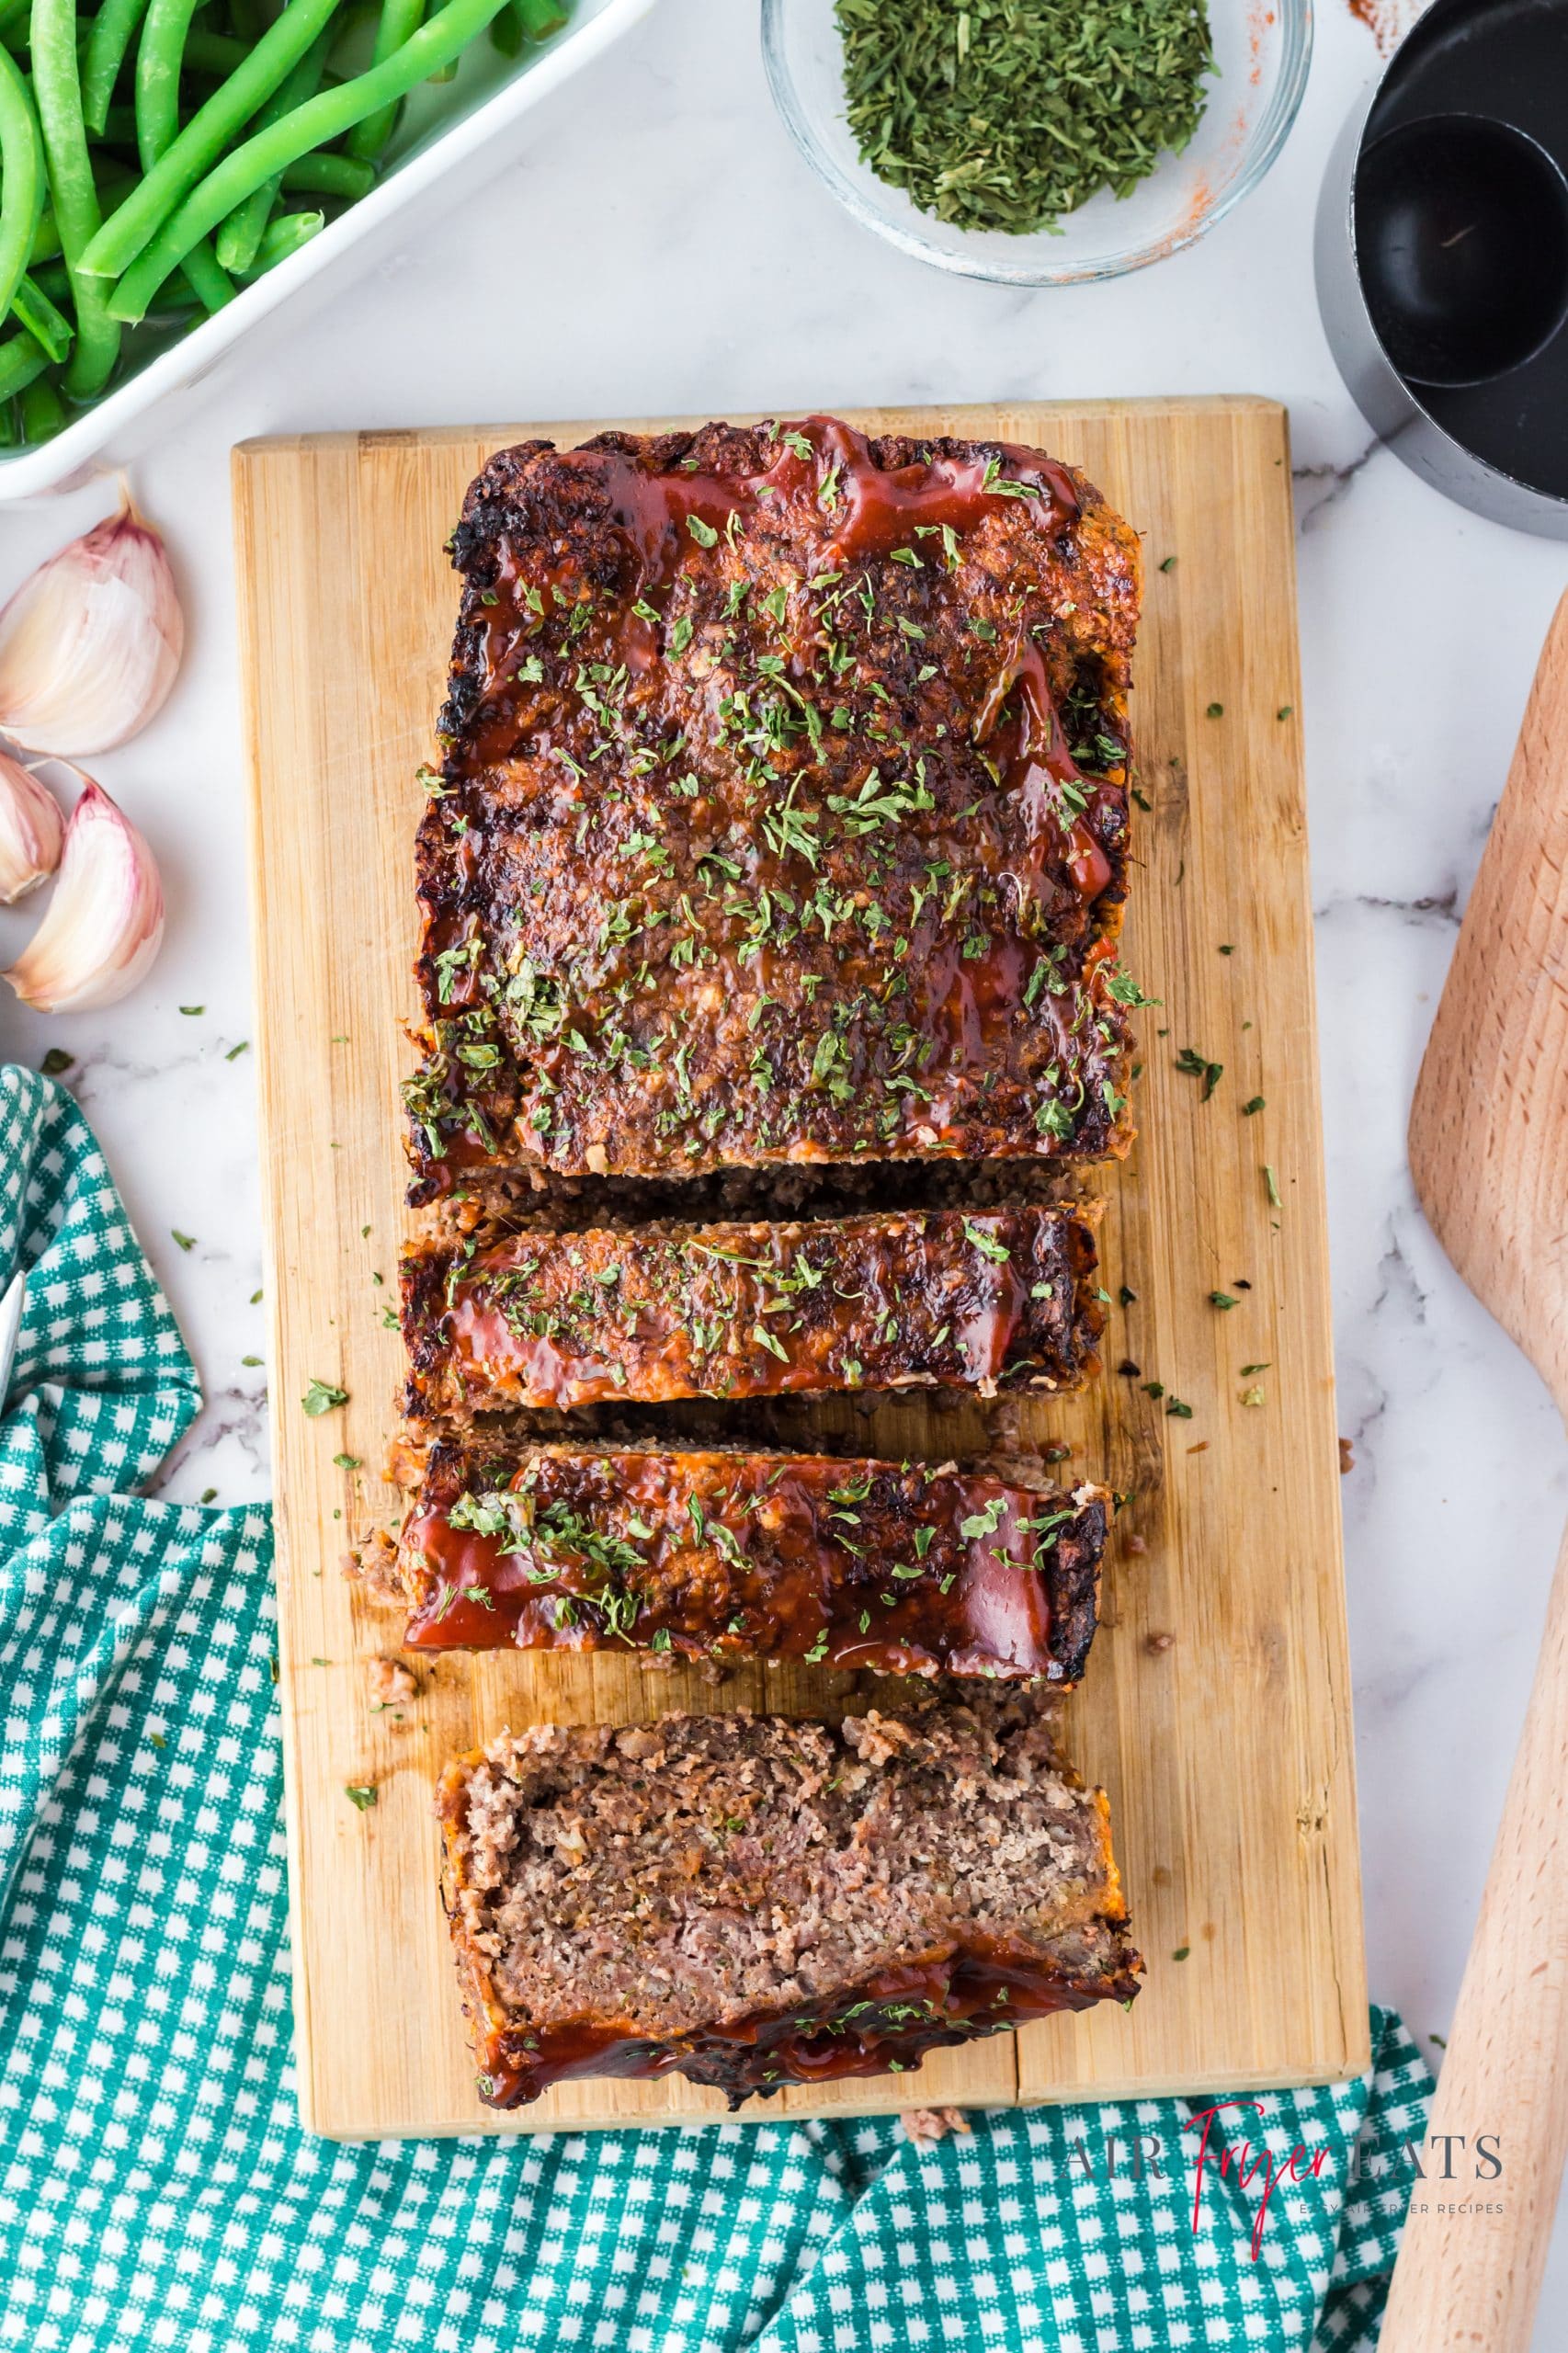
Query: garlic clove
<point>105,922</point>
<point>90,644</point>
<point>32,830</point>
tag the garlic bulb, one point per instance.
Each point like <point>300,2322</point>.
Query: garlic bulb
<point>32,830</point>
<point>90,644</point>
<point>106,920</point>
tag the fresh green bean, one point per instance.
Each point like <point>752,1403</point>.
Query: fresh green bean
<point>113,181</point>
<point>208,281</point>
<point>58,91</point>
<point>159,57</point>
<point>329,176</point>
<point>399,18</point>
<point>21,177</point>
<point>239,236</point>
<point>54,278</point>
<point>285,236</point>
<point>34,310</point>
<point>14,12</point>
<point>317,122</point>
<point>204,137</point>
<point>526,20</point>
<point>22,359</point>
<point>10,432</point>
<point>46,238</point>
<point>215,53</point>
<point>159,61</point>
<point>113,28</point>
<point>43,412</point>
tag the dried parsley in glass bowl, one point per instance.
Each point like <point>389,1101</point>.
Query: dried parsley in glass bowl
<point>1040,142</point>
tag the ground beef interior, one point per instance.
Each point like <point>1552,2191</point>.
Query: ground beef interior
<point>755,1899</point>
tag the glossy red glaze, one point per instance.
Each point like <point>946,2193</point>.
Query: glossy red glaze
<point>846,1563</point>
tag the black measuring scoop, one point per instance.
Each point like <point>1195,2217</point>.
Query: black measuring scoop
<point>1462,227</point>
<point>1442,257</point>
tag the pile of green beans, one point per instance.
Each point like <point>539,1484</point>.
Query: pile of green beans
<point>149,153</point>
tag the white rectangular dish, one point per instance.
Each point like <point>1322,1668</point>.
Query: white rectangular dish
<point>451,138</point>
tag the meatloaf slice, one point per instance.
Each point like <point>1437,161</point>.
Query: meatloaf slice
<point>782,811</point>
<point>725,1555</point>
<point>754,1901</point>
<point>1000,1300</point>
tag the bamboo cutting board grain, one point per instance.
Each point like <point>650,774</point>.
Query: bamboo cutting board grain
<point>1217,1706</point>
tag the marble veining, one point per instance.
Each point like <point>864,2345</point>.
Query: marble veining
<point>666,251</point>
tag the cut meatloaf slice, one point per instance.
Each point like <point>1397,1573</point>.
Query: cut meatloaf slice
<point>838,1562</point>
<point>1002,1298</point>
<point>782,812</point>
<point>754,1901</point>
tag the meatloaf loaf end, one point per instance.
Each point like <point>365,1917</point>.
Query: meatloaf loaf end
<point>753,1902</point>
<point>729,1555</point>
<point>1002,1298</point>
<point>782,811</point>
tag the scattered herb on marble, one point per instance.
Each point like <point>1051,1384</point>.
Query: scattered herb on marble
<point>56,1062</point>
<point>1006,114</point>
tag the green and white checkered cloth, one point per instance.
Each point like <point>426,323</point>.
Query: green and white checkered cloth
<point>155,2188</point>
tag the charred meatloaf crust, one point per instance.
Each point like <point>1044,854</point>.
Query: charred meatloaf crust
<point>783,807</point>
<point>1003,1299</point>
<point>726,1556</point>
<point>753,1902</point>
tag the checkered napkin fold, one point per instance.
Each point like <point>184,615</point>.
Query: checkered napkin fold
<point>155,2188</point>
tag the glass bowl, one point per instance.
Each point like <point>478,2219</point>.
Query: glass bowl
<point>1262,49</point>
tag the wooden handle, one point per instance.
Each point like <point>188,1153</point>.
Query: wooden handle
<point>1468,2282</point>
<point>1489,1125</point>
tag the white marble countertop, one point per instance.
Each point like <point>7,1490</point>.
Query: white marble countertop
<point>628,289</point>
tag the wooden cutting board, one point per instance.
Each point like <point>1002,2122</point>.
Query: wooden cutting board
<point>1217,1707</point>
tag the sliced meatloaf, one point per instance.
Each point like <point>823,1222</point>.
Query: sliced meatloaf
<point>726,1556</point>
<point>1002,1298</point>
<point>782,811</point>
<point>752,1902</point>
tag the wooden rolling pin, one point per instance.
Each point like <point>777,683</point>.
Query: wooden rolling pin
<point>1489,1152</point>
